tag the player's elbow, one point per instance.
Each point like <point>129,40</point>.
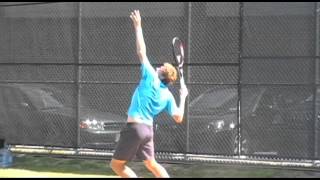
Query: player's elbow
<point>178,119</point>
<point>141,54</point>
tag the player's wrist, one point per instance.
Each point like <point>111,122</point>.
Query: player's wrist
<point>138,27</point>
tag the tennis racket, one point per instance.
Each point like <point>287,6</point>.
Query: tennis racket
<point>178,54</point>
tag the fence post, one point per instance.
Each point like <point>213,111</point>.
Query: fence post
<point>316,78</point>
<point>78,70</point>
<point>239,76</point>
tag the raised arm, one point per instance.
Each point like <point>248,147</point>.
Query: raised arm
<point>178,118</point>
<point>141,46</point>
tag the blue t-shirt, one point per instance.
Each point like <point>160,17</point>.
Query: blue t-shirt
<point>151,97</point>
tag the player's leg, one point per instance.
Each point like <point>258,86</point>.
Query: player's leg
<point>146,153</point>
<point>125,151</point>
<point>156,169</point>
<point>121,169</point>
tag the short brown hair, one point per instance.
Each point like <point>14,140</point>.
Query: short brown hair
<point>170,73</point>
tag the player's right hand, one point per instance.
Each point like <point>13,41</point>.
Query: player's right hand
<point>184,92</point>
<point>136,18</point>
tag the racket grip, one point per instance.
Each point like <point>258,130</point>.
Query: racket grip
<point>182,82</point>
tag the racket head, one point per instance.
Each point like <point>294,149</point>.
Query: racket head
<point>178,51</point>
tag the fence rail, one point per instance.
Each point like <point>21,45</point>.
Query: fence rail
<point>68,70</point>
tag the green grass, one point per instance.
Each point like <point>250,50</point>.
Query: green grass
<point>42,166</point>
<point>46,166</point>
<point>21,173</point>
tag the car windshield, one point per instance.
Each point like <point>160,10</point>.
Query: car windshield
<point>43,99</point>
<point>52,98</point>
<point>214,99</point>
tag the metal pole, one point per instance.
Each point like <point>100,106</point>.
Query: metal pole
<point>239,76</point>
<point>78,71</point>
<point>316,78</point>
<point>188,75</point>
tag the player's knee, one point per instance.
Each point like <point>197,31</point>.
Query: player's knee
<point>115,164</point>
<point>152,164</point>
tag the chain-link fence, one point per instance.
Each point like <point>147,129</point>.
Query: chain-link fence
<point>68,71</point>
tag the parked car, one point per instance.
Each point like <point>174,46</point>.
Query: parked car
<point>212,120</point>
<point>36,114</point>
<point>274,122</point>
<point>279,121</point>
<point>101,130</point>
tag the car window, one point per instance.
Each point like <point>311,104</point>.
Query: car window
<point>215,99</point>
<point>13,98</point>
<point>42,99</point>
<point>63,97</point>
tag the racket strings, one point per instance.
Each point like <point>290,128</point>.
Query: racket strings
<point>178,52</point>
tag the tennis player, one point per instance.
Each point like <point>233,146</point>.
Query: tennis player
<point>151,97</point>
